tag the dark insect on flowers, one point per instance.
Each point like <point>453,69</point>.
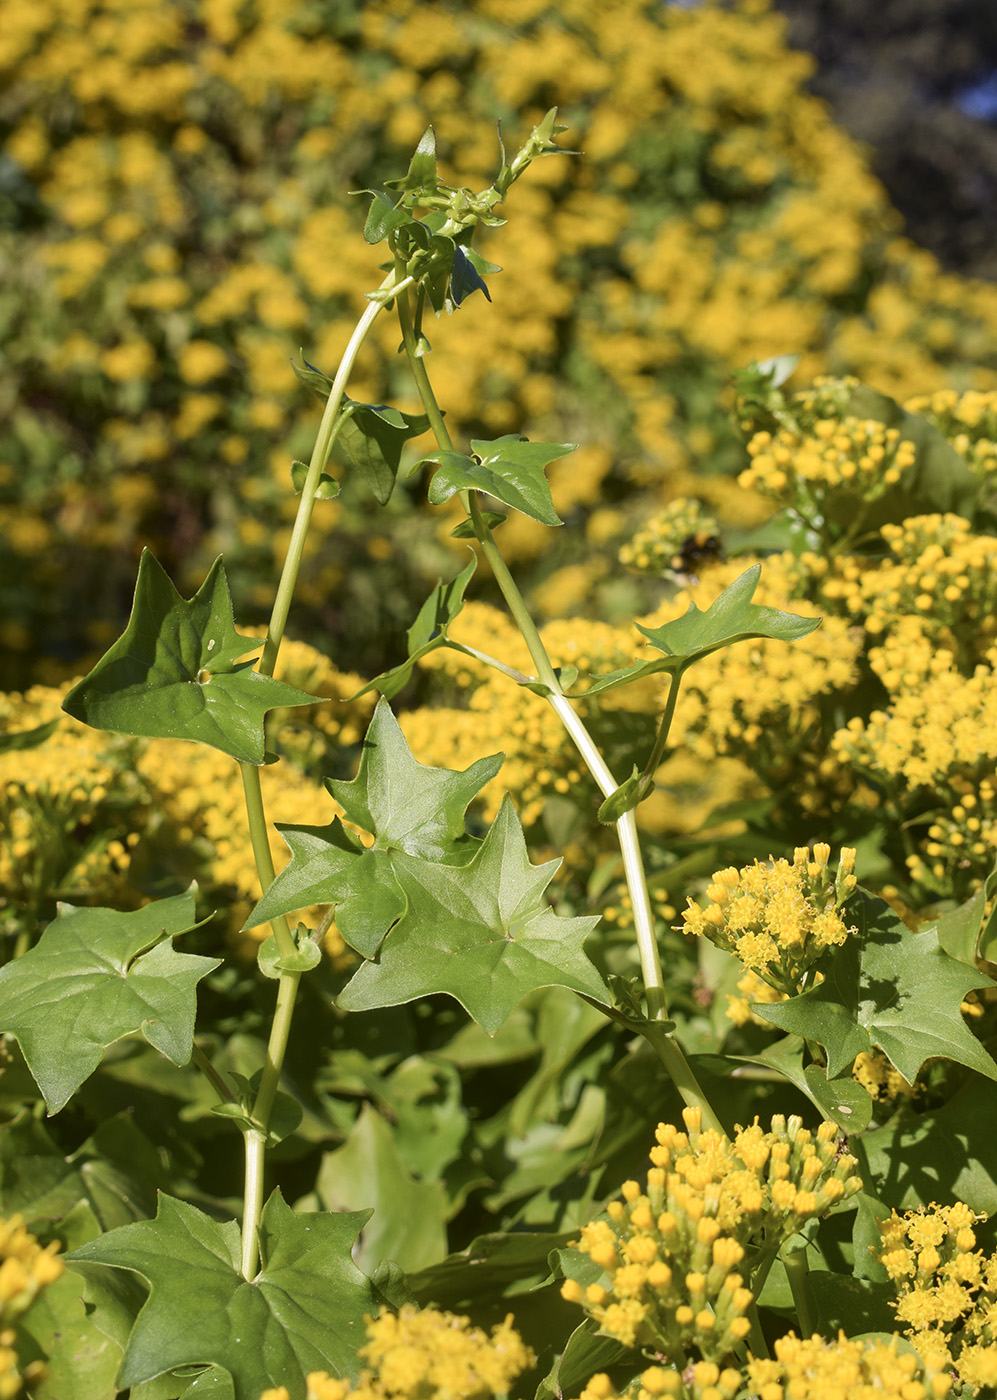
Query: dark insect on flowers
<point>695,551</point>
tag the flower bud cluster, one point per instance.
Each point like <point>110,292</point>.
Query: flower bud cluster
<point>968,420</point>
<point>702,1381</point>
<point>946,1288</point>
<point>799,470</point>
<point>676,1256</point>
<point>777,918</point>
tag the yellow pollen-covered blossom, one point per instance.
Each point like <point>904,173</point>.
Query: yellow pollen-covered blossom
<point>779,917</point>
<point>710,1203</point>
<point>859,1369</point>
<point>426,1354</point>
<point>946,1288</point>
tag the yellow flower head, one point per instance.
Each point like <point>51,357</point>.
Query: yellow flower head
<point>777,917</point>
<point>675,1253</point>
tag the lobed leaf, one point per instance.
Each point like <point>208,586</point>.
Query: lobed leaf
<point>482,933</point>
<point>94,976</point>
<point>509,468</point>
<point>304,1311</point>
<point>174,672</point>
<point>889,989</point>
<point>731,618</point>
<point>409,808</point>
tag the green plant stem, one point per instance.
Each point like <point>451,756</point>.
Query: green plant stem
<point>668,1049</point>
<point>216,1080</point>
<point>664,725</point>
<point>798,1273</point>
<point>261,851</point>
<point>287,987</point>
<point>256,1137</point>
<point>325,437</point>
<point>495,664</point>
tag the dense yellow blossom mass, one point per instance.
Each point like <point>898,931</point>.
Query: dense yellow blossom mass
<point>778,917</point>
<point>675,1255</point>
<point>426,1354</point>
<point>186,226</point>
<point>946,1288</point>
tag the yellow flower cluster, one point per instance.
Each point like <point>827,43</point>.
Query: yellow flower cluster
<point>778,918</point>
<point>802,1369</point>
<point>939,571</point>
<point>65,827</point>
<point>704,1380</point>
<point>935,741</point>
<point>681,539</point>
<point>968,420</point>
<point>26,1268</point>
<point>881,1079</point>
<point>859,1368</point>
<point>425,1354</point>
<point>839,455</point>
<point>946,1288</point>
<point>676,1255</point>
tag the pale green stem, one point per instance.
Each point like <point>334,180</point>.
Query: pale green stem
<point>664,725</point>
<point>328,428</point>
<point>256,1137</point>
<point>261,850</point>
<point>496,665</point>
<point>798,1273</point>
<point>668,1049</point>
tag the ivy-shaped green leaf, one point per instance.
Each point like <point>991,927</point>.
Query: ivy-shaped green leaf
<point>174,672</point>
<point>428,631</point>
<point>483,933</point>
<point>303,1312</point>
<point>731,618</point>
<point>94,976</point>
<point>842,1099</point>
<point>372,439</point>
<point>509,468</point>
<point>409,808</point>
<point>890,989</point>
